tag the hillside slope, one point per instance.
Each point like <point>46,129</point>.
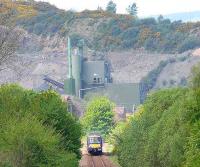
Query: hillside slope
<point>176,74</point>
<point>104,31</point>
<point>143,43</point>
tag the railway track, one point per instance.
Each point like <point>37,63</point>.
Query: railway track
<point>102,162</point>
<point>96,161</point>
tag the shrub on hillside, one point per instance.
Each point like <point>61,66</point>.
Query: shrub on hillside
<point>151,44</point>
<point>148,21</point>
<point>164,83</point>
<point>107,27</point>
<point>128,43</point>
<point>75,39</point>
<point>189,43</point>
<point>150,80</point>
<point>183,81</point>
<point>130,33</point>
<point>172,82</point>
<point>172,40</point>
<point>116,31</point>
<point>26,142</point>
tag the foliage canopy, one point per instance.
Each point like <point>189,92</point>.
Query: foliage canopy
<point>36,129</point>
<point>165,130</point>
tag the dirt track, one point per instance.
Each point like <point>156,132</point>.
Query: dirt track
<point>95,161</point>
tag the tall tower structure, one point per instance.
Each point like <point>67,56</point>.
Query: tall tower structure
<point>69,57</point>
<point>77,66</point>
<point>69,84</point>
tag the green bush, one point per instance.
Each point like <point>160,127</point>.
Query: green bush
<point>148,21</point>
<point>164,83</point>
<point>115,134</point>
<point>128,43</point>
<point>189,43</point>
<point>151,44</point>
<point>130,33</point>
<point>116,31</point>
<point>183,81</point>
<point>75,38</point>
<point>50,109</point>
<point>172,82</point>
<point>172,41</point>
<point>26,142</point>
<point>148,82</point>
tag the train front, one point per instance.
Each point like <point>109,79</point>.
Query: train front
<point>94,144</point>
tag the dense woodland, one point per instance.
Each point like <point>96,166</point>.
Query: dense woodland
<point>165,130</point>
<point>36,129</point>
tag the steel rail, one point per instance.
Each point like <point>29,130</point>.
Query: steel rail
<point>102,162</point>
<point>92,161</point>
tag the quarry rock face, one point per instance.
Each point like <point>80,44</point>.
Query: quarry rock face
<point>38,56</point>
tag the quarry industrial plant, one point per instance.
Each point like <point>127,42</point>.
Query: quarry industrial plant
<point>94,77</point>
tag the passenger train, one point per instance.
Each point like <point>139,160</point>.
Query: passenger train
<point>94,144</point>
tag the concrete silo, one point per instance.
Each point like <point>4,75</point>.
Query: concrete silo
<point>73,84</point>
<point>77,67</point>
<point>69,85</point>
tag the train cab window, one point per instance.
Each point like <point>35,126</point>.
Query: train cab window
<point>95,140</point>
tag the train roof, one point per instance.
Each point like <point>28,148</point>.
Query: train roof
<point>94,135</point>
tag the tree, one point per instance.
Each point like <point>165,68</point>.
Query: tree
<point>189,43</point>
<point>195,82</point>
<point>111,7</point>
<point>160,18</point>
<point>53,112</point>
<point>157,134</point>
<point>99,116</point>
<point>99,8</point>
<point>195,77</point>
<point>132,9</point>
